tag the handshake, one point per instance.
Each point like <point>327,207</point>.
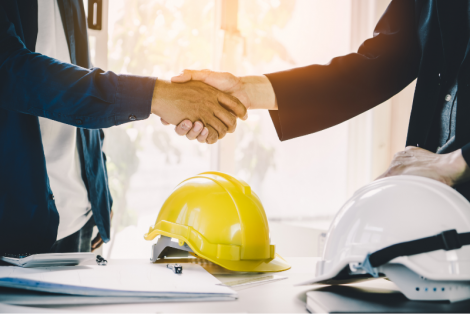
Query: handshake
<point>205,105</point>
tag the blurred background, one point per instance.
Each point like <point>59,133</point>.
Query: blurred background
<point>301,182</point>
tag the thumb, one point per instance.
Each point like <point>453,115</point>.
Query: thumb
<point>183,77</point>
<point>188,75</point>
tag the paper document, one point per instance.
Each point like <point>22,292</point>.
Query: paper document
<point>49,259</point>
<point>252,280</point>
<point>4,308</point>
<point>139,280</point>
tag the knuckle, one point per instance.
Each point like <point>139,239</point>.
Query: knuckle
<point>213,137</point>
<point>244,110</point>
<point>232,128</point>
<point>399,154</point>
<point>232,125</point>
<point>211,140</point>
<point>222,132</point>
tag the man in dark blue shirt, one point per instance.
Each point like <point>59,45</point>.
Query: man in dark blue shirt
<point>33,85</point>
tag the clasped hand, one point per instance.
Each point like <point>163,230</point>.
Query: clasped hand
<point>254,92</point>
<point>214,112</point>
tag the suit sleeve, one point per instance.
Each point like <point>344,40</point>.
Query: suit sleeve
<point>35,84</point>
<point>466,153</point>
<point>316,97</point>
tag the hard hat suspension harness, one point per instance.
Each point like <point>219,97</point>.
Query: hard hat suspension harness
<point>446,240</point>
<point>168,247</point>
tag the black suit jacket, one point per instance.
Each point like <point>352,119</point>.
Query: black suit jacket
<point>409,42</point>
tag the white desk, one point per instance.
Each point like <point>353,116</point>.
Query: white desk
<point>274,297</point>
<point>279,296</point>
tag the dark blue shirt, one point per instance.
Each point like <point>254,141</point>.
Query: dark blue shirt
<point>455,45</point>
<point>33,85</point>
<point>446,121</point>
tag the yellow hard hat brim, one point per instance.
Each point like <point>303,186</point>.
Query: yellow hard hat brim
<point>272,265</point>
<point>275,264</point>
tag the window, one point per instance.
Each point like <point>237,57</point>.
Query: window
<point>303,178</point>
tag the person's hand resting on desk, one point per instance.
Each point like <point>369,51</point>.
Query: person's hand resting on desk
<point>215,111</point>
<point>450,169</point>
<point>255,92</point>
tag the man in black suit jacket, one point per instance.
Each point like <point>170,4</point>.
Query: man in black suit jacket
<point>424,39</point>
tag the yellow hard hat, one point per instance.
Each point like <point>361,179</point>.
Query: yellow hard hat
<point>217,217</point>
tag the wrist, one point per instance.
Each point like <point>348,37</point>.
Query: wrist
<point>459,170</point>
<point>259,91</point>
<point>157,98</point>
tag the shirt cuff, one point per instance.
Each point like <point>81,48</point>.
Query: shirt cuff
<point>134,98</point>
<point>466,153</point>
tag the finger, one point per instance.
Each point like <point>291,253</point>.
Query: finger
<point>213,136</point>
<point>233,104</point>
<point>218,126</point>
<point>164,122</point>
<point>183,128</point>
<point>195,131</point>
<point>96,243</point>
<point>188,75</point>
<point>402,154</point>
<point>183,77</point>
<point>413,150</point>
<point>227,118</point>
<point>97,246</point>
<point>202,138</point>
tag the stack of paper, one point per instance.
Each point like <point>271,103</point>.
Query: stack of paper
<point>140,280</point>
<point>49,259</point>
<point>5,308</point>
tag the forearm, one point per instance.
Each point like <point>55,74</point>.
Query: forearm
<point>41,86</point>
<point>38,85</point>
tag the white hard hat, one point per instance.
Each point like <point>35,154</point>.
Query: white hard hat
<point>413,230</point>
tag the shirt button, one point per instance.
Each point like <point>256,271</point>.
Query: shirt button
<point>448,97</point>
<point>132,117</point>
<point>79,121</point>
